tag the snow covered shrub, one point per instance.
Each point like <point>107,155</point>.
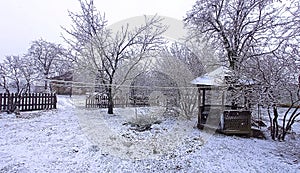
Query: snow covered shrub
<point>188,103</point>
<point>144,118</point>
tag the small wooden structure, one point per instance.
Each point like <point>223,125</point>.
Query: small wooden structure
<point>62,84</point>
<point>213,110</point>
<point>237,122</point>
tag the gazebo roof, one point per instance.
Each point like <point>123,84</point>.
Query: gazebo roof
<point>214,78</point>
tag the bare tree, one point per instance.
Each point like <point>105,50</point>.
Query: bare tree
<point>242,28</point>
<point>12,75</point>
<point>182,65</point>
<point>275,79</point>
<point>28,72</point>
<point>16,78</point>
<point>179,71</point>
<point>103,52</point>
<point>4,83</point>
<point>193,60</point>
<point>47,58</point>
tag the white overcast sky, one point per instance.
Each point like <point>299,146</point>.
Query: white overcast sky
<point>23,21</point>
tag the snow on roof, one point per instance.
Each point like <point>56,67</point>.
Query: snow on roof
<point>214,78</point>
<point>206,80</point>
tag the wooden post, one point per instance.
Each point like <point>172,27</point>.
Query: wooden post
<point>203,98</point>
<point>55,101</point>
<point>30,105</point>
<point>35,101</point>
<point>223,99</point>
<point>201,104</point>
<point>40,104</point>
<point>15,101</point>
<point>5,102</point>
<point>10,101</point>
<point>199,107</point>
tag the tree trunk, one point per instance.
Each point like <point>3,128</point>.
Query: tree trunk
<point>46,81</point>
<point>232,65</point>
<point>110,101</point>
<point>46,86</point>
<point>271,124</point>
<point>28,87</point>
<point>283,134</point>
<point>276,122</point>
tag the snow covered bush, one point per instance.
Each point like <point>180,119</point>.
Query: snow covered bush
<point>145,117</point>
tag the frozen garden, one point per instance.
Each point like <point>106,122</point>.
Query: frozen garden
<point>215,91</point>
<point>73,139</point>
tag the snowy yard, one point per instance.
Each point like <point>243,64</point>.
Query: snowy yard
<point>73,139</point>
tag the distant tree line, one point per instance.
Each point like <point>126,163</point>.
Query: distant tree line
<point>42,61</point>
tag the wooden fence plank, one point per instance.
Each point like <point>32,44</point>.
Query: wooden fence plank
<point>34,101</point>
<point>39,101</point>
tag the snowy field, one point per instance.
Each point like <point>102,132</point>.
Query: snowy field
<point>74,139</point>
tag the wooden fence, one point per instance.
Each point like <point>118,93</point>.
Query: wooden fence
<point>96,101</point>
<point>27,101</point>
<point>101,101</point>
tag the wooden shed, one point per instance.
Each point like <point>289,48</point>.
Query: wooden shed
<point>62,84</point>
<point>213,110</point>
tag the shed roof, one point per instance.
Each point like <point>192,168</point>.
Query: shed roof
<point>213,78</point>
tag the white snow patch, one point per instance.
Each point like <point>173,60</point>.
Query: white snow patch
<point>62,141</point>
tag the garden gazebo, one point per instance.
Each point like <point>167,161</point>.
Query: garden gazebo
<point>213,110</point>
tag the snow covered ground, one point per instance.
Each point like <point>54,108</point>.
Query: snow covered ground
<point>74,139</point>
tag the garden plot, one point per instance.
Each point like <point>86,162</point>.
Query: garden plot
<point>135,133</point>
